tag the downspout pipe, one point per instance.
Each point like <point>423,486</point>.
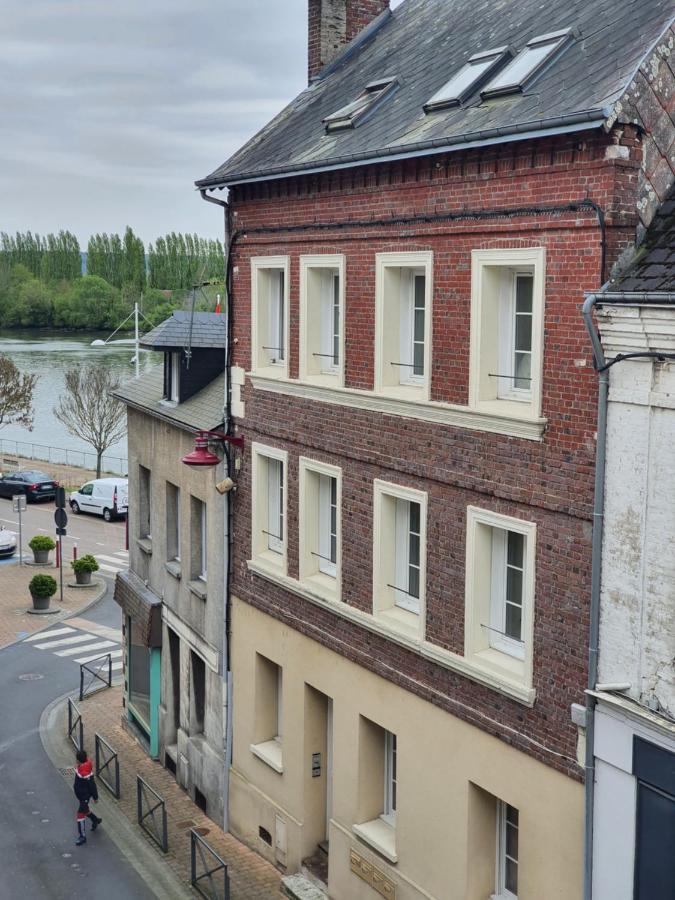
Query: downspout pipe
<point>600,365</point>
<point>227,518</point>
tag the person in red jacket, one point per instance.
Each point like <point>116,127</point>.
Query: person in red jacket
<point>85,790</point>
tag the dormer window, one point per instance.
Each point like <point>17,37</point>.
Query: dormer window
<point>354,113</point>
<point>172,376</point>
<point>479,68</point>
<point>538,53</point>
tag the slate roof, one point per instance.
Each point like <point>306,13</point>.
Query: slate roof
<point>653,267</point>
<point>204,410</point>
<point>208,331</point>
<point>423,43</point>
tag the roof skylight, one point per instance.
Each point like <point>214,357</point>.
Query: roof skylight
<point>470,77</point>
<point>348,116</point>
<point>529,62</point>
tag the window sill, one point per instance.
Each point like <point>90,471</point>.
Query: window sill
<point>413,393</point>
<point>274,372</point>
<point>272,562</point>
<point>502,417</point>
<point>170,403</point>
<point>198,588</point>
<point>503,683</point>
<point>323,585</point>
<point>325,379</point>
<point>145,545</point>
<point>408,623</point>
<point>173,568</point>
<point>380,836</point>
<point>499,663</point>
<point>270,752</point>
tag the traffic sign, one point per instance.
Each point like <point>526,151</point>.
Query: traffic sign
<point>19,503</point>
<point>60,499</point>
<point>60,518</point>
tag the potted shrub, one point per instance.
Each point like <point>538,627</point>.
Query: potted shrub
<point>83,567</point>
<point>41,545</point>
<point>42,588</point>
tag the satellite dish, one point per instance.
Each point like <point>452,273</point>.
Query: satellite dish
<point>98,343</point>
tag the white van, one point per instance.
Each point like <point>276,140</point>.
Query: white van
<point>105,497</point>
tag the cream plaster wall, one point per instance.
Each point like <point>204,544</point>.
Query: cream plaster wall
<point>448,770</point>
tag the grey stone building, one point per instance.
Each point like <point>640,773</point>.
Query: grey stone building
<point>173,594</point>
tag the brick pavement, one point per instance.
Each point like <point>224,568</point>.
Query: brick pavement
<point>15,600</point>
<point>251,877</point>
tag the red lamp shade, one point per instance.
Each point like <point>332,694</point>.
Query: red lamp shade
<point>201,455</point>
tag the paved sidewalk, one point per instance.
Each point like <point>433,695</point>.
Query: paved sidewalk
<point>15,622</point>
<point>251,877</point>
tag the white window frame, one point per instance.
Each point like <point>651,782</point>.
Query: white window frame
<point>174,376</point>
<point>387,599</point>
<point>324,579</point>
<point>273,556</point>
<point>408,336</point>
<point>390,779</point>
<point>405,535</point>
<point>498,638</point>
<point>501,891</point>
<point>276,491</point>
<point>483,645</point>
<point>394,281</point>
<point>317,274</point>
<point>493,279</point>
<point>262,315</point>
<point>202,542</point>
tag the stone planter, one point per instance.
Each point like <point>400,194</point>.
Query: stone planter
<point>83,577</point>
<point>41,557</point>
<point>40,602</point>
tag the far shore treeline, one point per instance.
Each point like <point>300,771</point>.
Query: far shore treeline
<point>44,282</point>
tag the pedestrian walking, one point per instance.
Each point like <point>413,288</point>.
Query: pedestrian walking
<point>85,790</point>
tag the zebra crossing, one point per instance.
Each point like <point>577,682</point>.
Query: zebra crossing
<point>113,564</point>
<point>80,645</point>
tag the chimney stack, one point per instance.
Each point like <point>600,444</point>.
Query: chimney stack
<point>334,23</point>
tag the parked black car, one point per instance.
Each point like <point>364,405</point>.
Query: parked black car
<point>35,485</point>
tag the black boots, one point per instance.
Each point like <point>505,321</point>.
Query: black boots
<point>95,821</point>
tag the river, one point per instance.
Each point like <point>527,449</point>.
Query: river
<point>49,354</point>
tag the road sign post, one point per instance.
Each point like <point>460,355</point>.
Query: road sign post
<point>19,506</point>
<point>61,520</point>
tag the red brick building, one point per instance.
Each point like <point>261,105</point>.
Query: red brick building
<point>410,240</point>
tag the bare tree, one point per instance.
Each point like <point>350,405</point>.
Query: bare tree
<point>89,411</point>
<point>16,395</point>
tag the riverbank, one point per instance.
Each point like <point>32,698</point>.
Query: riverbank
<point>69,477</point>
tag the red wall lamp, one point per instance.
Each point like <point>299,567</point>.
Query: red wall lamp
<point>202,456</point>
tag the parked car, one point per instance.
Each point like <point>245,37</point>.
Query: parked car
<point>7,543</point>
<point>34,484</point>
<point>105,497</point>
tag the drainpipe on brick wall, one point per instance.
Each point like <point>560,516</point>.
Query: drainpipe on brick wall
<point>596,573</point>
<point>227,519</point>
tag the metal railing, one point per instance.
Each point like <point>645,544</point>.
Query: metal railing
<point>75,725</point>
<point>80,459</point>
<point>208,872</point>
<point>150,807</point>
<point>107,766</point>
<point>94,668</point>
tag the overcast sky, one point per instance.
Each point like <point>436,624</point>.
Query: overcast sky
<point>111,110</point>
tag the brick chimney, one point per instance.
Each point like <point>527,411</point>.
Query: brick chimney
<point>334,23</point>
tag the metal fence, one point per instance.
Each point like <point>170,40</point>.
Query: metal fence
<point>107,766</point>
<point>151,813</point>
<point>81,459</point>
<point>75,725</point>
<point>90,673</point>
<point>208,872</point>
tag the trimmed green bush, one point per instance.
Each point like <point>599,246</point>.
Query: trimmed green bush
<point>85,564</point>
<point>41,542</point>
<point>42,586</point>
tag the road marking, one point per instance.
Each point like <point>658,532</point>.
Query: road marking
<point>99,544</point>
<point>110,559</point>
<point>86,659</point>
<point>77,639</point>
<point>50,634</point>
<point>114,569</point>
<point>73,650</point>
<point>104,631</point>
<point>116,666</point>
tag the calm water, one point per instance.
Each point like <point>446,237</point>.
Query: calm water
<point>48,355</point>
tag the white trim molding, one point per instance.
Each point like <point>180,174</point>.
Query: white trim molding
<point>205,651</point>
<point>509,421</point>
<point>309,473</point>
<point>312,285</point>
<point>260,265</point>
<point>487,325</point>
<point>478,647</point>
<point>501,682</point>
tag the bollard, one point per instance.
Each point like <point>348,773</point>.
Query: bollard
<point>58,553</point>
<point>74,551</point>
